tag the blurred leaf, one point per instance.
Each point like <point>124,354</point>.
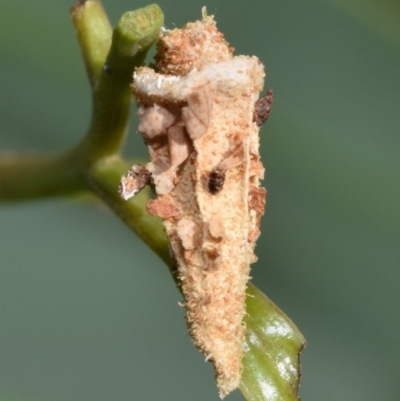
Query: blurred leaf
<point>383,16</point>
<point>353,176</point>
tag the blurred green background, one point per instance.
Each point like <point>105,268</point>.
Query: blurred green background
<point>88,313</point>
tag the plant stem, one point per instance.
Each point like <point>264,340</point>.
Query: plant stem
<point>27,175</point>
<point>94,35</point>
<point>134,35</point>
<point>104,179</point>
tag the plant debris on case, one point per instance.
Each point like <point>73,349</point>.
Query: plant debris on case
<point>200,115</point>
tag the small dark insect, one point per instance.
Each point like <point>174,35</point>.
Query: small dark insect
<point>263,108</point>
<point>216,180</point>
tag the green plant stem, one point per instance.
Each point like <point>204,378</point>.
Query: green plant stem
<point>27,175</point>
<point>94,35</point>
<point>134,35</point>
<point>104,179</point>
